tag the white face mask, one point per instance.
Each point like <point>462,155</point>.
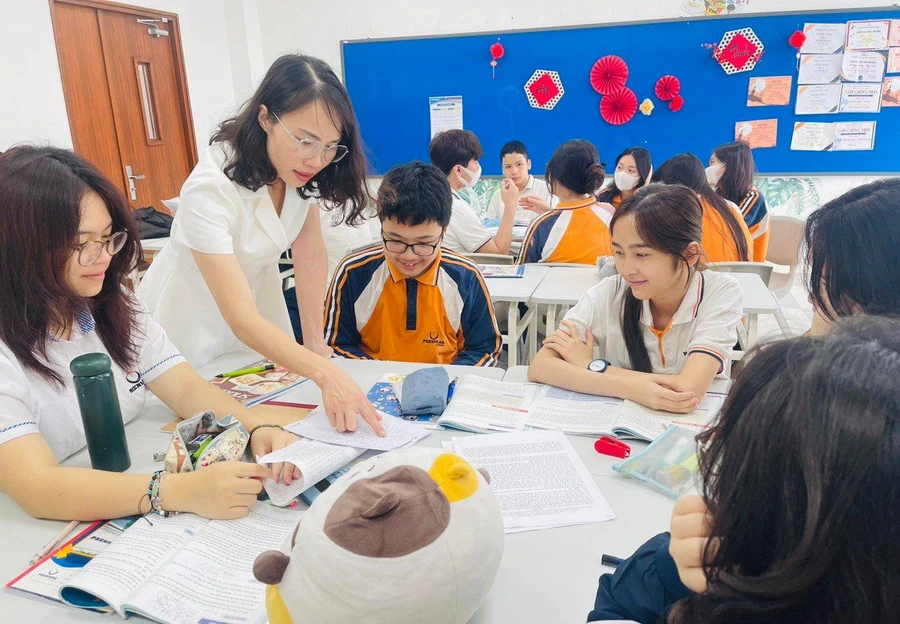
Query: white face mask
<point>473,176</point>
<point>714,174</point>
<point>625,181</point>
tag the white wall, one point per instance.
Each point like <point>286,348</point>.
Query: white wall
<point>32,107</point>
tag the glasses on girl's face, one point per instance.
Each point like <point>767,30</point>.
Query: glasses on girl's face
<point>307,148</point>
<point>89,252</point>
<point>399,247</point>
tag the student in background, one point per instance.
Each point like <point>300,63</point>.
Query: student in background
<point>534,194</point>
<point>725,235</point>
<point>456,154</point>
<point>68,243</point>
<point>634,170</point>
<point>406,299</point>
<point>215,288</point>
<point>665,327</point>
<point>730,172</point>
<point>577,231</point>
<point>806,530</point>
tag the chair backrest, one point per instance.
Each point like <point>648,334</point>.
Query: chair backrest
<point>762,269</point>
<point>785,238</point>
<point>489,258</point>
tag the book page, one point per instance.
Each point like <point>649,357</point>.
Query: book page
<point>650,424</point>
<point>574,412</point>
<point>129,561</point>
<point>211,578</point>
<point>481,404</point>
<point>538,479</point>
<point>315,461</point>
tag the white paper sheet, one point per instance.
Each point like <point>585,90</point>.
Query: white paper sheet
<point>812,136</point>
<point>824,38</point>
<point>853,136</point>
<point>446,113</point>
<point>868,34</point>
<point>538,479</point>
<point>861,98</point>
<point>818,99</point>
<point>820,68</point>
<point>315,461</point>
<point>400,433</point>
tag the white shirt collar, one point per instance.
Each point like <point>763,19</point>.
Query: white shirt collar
<point>687,311</point>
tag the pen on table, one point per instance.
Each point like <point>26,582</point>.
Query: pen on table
<point>451,389</point>
<point>246,371</point>
<point>610,561</point>
<point>54,542</point>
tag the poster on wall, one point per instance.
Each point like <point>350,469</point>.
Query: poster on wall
<point>868,34</point>
<point>757,134</point>
<point>446,113</point>
<point>891,92</point>
<point>893,61</point>
<point>820,68</point>
<point>824,38</point>
<point>894,37</point>
<point>769,91</point>
<point>861,98</point>
<point>854,136</point>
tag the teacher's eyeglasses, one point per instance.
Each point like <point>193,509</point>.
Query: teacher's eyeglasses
<point>309,147</point>
<point>89,252</point>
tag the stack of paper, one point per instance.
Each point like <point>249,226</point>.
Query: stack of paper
<point>400,433</point>
<point>315,461</point>
<point>538,479</point>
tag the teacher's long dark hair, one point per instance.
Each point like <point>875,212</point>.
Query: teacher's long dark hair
<point>292,82</point>
<point>668,218</point>
<point>41,189</point>
<point>801,475</point>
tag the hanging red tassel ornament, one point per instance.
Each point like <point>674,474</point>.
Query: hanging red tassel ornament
<point>796,41</point>
<point>676,103</point>
<point>497,52</point>
<point>619,106</point>
<point>667,88</point>
<point>609,74</point>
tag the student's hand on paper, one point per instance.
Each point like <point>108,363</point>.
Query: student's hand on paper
<point>343,401</point>
<point>567,343</point>
<point>654,391</point>
<point>534,204</point>
<point>268,439</point>
<point>690,529</point>
<point>509,193</point>
<point>221,491</point>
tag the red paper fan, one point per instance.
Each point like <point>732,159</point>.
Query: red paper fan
<point>676,103</point>
<point>619,106</point>
<point>609,74</point>
<point>667,88</point>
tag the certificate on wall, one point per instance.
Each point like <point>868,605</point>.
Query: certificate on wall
<point>894,37</point>
<point>824,38</point>
<point>446,113</point>
<point>861,98</point>
<point>893,61</point>
<point>854,136</point>
<point>812,137</point>
<point>890,94</point>
<point>757,134</point>
<point>769,91</point>
<point>818,99</point>
<point>863,66</point>
<point>868,34</point>
<point>820,68</point>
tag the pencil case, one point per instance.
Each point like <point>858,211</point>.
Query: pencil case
<point>203,440</point>
<point>670,464</point>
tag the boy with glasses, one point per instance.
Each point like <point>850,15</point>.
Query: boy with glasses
<point>406,299</point>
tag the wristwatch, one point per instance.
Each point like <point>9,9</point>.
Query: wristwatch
<point>598,366</point>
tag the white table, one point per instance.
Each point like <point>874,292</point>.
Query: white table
<point>513,291</point>
<point>564,286</point>
<point>545,576</point>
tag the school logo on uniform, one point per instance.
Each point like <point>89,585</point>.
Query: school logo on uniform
<point>134,378</point>
<point>433,339</point>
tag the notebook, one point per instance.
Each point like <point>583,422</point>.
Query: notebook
<point>255,388</point>
<point>502,270</point>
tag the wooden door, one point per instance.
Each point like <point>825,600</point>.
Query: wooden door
<point>126,96</point>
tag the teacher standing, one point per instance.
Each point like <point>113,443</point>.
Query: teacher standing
<point>215,287</point>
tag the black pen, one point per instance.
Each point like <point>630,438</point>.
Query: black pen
<point>610,561</point>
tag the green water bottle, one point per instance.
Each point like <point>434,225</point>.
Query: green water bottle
<point>100,412</point>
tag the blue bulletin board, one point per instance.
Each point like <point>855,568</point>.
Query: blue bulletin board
<point>390,82</point>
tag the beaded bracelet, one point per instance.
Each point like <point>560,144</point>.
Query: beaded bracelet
<point>252,431</point>
<point>156,501</point>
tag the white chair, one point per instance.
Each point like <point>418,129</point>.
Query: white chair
<point>764,270</point>
<point>489,258</point>
<point>785,239</point>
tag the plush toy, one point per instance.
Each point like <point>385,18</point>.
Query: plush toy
<point>409,536</point>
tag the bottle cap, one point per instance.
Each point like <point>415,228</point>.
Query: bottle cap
<point>90,365</point>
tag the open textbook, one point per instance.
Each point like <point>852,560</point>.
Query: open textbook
<point>255,388</point>
<point>316,461</point>
<point>483,405</point>
<point>184,569</point>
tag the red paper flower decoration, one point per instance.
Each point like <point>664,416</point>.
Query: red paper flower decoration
<point>667,88</point>
<point>497,50</point>
<point>619,106</point>
<point>797,39</point>
<point>676,103</point>
<point>609,74</point>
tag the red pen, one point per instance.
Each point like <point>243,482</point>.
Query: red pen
<point>610,446</point>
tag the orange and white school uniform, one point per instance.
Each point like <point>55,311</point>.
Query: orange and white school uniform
<point>706,322</point>
<point>443,316</point>
<point>575,232</point>
<point>717,241</point>
<point>534,188</point>
<point>756,216</point>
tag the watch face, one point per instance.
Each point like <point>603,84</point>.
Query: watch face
<point>598,366</point>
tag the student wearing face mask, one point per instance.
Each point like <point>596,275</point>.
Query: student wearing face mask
<point>730,172</point>
<point>214,288</point>
<point>456,154</point>
<point>634,169</point>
